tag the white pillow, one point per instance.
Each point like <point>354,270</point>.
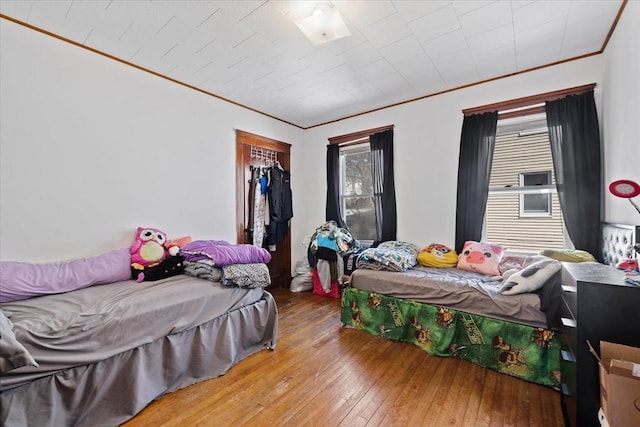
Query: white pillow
<point>530,278</point>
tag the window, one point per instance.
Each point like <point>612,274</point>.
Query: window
<point>535,203</point>
<point>523,210</point>
<point>361,191</point>
<point>356,190</point>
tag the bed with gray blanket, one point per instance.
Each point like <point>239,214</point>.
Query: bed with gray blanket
<point>105,352</point>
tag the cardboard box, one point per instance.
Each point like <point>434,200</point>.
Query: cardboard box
<point>619,367</point>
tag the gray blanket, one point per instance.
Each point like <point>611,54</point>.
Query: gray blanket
<point>92,324</point>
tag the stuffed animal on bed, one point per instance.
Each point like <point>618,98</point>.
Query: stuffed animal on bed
<point>153,257</point>
<point>482,258</point>
<point>169,267</point>
<point>531,278</point>
<point>148,248</point>
<point>437,255</point>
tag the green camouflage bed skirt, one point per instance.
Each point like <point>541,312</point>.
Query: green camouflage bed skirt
<point>526,352</point>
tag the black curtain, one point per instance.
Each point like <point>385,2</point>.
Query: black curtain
<point>574,135</point>
<point>474,170</point>
<point>384,191</point>
<point>333,185</point>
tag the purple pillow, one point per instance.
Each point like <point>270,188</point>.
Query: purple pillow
<point>22,280</point>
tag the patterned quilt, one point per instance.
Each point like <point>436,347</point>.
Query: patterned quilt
<point>391,256</point>
<point>526,352</point>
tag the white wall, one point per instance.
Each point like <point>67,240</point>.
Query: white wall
<point>91,148</point>
<point>620,123</point>
<point>426,144</point>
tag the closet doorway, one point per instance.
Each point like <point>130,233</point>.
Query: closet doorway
<point>255,151</point>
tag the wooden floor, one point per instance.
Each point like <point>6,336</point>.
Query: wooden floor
<point>322,374</point>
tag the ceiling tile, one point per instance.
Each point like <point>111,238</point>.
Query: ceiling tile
<point>581,37</point>
<point>387,31</point>
<point>341,74</point>
<point>402,50</point>
<point>583,10</point>
<point>270,23</point>
<point>362,14</point>
<point>463,7</point>
<point>225,28</point>
<point>18,9</point>
<point>411,9</point>
<point>322,60</point>
<point>435,24</point>
<point>493,39</point>
<point>539,13</point>
<point>377,70</point>
<point>241,9</point>
<point>549,33</point>
<point>486,18</point>
<point>457,68</point>
<point>495,62</point>
<point>414,65</point>
<point>446,44</point>
<point>426,81</point>
<point>360,55</point>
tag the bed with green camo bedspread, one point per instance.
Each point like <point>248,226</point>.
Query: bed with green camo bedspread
<point>524,351</point>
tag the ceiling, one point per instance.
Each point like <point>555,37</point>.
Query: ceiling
<point>252,53</point>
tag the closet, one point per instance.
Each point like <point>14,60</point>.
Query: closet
<point>256,156</point>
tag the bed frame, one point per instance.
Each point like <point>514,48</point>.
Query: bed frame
<point>523,351</point>
<point>113,390</point>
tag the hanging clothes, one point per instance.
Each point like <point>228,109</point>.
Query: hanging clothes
<point>280,205</point>
<point>258,205</point>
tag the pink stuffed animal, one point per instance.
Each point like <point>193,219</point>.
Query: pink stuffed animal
<point>148,249</point>
<point>481,258</point>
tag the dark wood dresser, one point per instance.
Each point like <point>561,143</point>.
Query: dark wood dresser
<point>596,305</point>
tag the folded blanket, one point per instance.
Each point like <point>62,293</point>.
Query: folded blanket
<point>389,256</point>
<point>203,270</point>
<point>246,275</point>
<point>223,253</point>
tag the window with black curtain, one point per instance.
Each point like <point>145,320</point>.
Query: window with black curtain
<point>574,138</point>
<point>361,186</point>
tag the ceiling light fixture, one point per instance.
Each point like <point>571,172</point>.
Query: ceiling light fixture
<point>324,25</point>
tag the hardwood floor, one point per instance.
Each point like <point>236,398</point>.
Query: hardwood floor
<point>322,374</point>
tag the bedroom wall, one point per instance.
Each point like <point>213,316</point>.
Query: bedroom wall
<point>426,143</point>
<point>91,148</point>
<point>621,108</point>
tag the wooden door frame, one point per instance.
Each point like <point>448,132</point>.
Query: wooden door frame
<point>246,138</point>
<point>283,151</point>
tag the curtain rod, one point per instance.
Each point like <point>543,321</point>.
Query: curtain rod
<point>527,101</point>
<point>353,137</point>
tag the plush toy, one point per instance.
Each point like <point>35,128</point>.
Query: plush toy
<point>169,267</point>
<point>530,278</point>
<point>482,258</point>
<point>437,255</point>
<point>506,274</point>
<point>148,248</point>
<point>174,245</point>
